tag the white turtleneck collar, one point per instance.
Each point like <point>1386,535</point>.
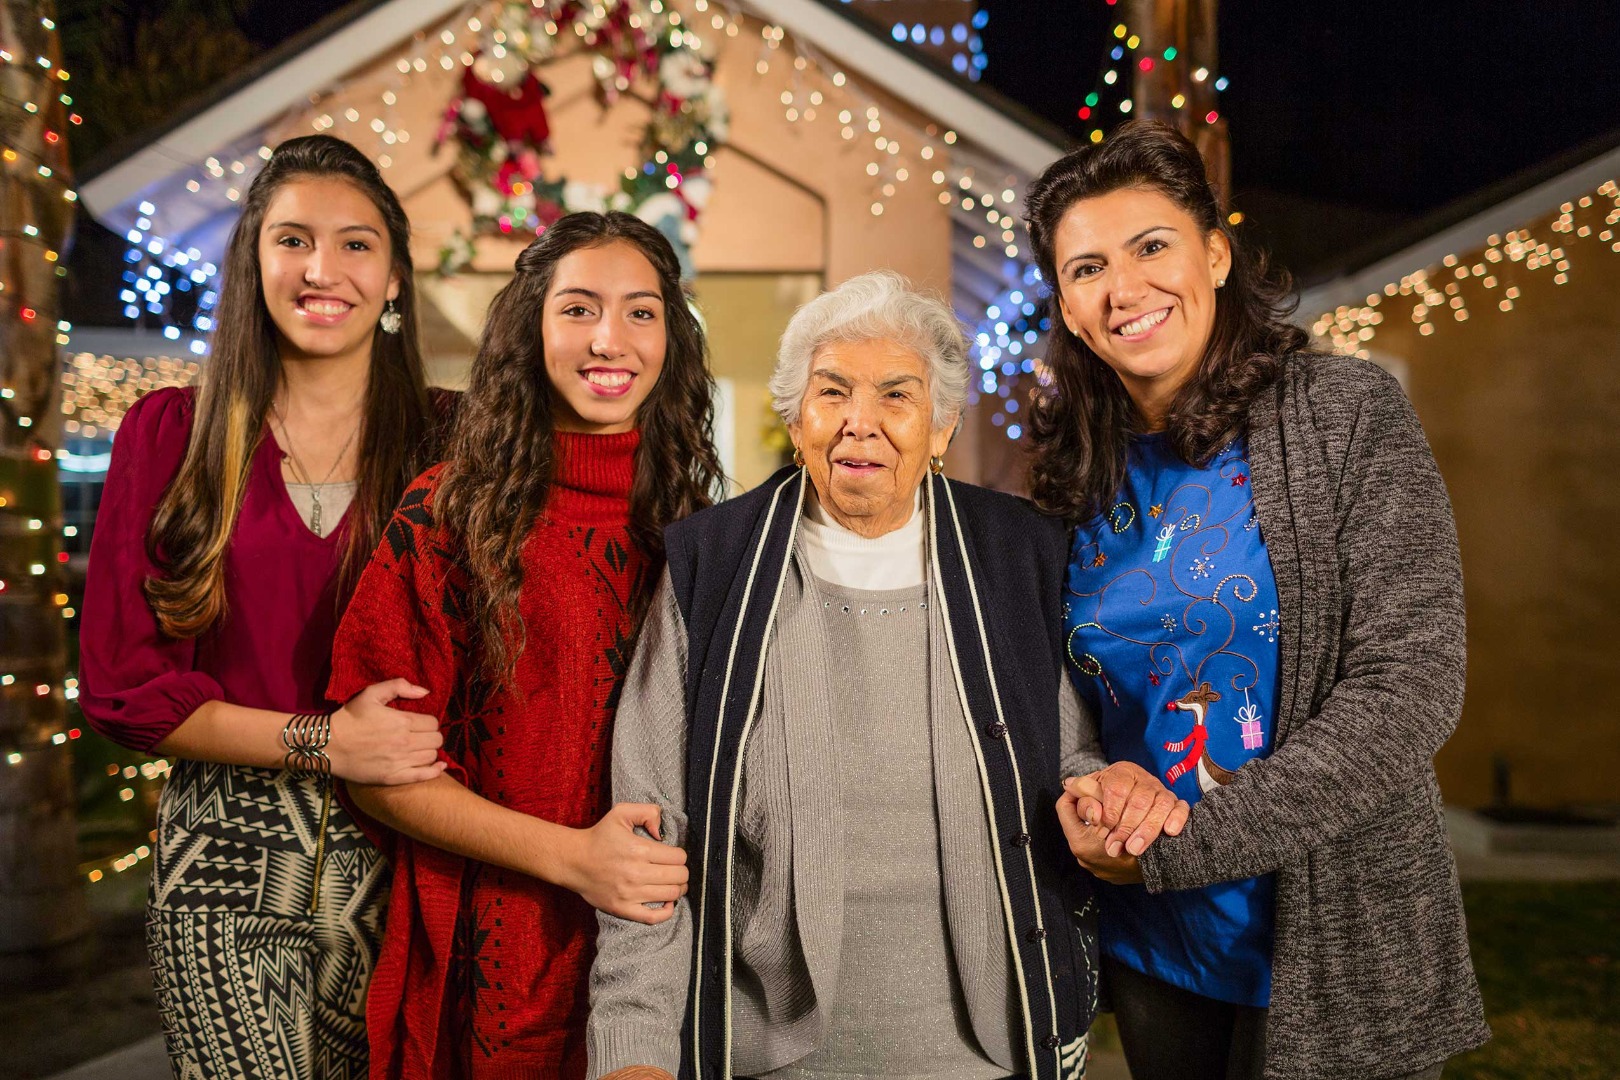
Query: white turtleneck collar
<point>895,560</point>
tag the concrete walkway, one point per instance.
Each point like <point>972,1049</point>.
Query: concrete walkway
<point>144,1060</point>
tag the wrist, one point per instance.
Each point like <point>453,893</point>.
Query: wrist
<point>337,743</point>
<point>555,854</point>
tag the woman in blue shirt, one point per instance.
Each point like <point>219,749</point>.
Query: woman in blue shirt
<point>1230,626</point>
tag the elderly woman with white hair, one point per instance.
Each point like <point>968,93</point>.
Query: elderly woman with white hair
<point>849,705</point>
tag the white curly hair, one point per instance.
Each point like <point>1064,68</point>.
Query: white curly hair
<point>877,306</point>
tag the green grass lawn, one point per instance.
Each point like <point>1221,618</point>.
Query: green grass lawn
<point>1548,959</point>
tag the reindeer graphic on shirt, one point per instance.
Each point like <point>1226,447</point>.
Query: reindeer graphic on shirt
<point>1210,774</point>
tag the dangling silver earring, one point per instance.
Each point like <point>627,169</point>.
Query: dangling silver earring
<point>391,320</point>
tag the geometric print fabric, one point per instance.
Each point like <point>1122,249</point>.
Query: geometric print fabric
<point>248,983</point>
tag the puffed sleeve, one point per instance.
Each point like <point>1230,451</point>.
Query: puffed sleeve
<point>139,684</point>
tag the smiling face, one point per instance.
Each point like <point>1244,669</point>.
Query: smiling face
<point>604,336</point>
<point>327,268</point>
<point>1136,282</point>
<point>866,430</point>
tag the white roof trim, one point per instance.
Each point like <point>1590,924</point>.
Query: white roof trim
<point>1468,235</point>
<point>263,100</point>
<point>900,75</point>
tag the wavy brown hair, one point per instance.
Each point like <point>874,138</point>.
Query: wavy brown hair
<point>502,458</point>
<point>192,526</point>
<point>1082,418</point>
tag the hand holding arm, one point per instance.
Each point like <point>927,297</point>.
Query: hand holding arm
<point>371,743</point>
<point>611,867</point>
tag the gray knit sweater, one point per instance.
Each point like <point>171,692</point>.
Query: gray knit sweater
<point>1371,975</point>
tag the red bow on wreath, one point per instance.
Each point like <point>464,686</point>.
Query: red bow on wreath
<point>517,115</point>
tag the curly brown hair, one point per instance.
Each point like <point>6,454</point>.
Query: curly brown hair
<point>399,429</point>
<point>1082,418</point>
<point>502,458</point>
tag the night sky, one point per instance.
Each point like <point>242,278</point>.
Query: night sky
<point>1350,119</point>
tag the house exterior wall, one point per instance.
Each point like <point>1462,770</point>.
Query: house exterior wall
<point>1520,407</point>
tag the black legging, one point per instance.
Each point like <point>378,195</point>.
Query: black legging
<point>1174,1034</point>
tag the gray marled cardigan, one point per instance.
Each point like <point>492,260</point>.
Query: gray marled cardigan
<point>1371,975</point>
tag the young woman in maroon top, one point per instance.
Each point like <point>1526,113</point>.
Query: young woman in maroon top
<point>511,583</point>
<point>211,605</point>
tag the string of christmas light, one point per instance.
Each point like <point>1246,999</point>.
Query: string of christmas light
<point>1496,277</point>
<point>164,286</point>
<point>963,39</point>
<point>31,309</point>
<point>1112,91</point>
<point>97,870</point>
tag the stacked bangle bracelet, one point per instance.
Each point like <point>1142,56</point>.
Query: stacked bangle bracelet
<point>305,738</point>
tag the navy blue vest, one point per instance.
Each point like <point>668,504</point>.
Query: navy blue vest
<point>1000,567</point>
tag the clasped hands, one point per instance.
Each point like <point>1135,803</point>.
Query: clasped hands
<point>1111,816</point>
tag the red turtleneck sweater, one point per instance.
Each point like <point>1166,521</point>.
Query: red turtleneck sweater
<point>483,970</point>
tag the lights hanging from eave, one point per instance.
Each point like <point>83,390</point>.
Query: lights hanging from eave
<point>1496,279</point>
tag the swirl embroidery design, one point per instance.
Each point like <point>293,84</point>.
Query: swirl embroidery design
<point>1179,645</point>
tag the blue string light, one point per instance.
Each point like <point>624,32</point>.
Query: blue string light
<point>1002,340</point>
<point>158,276</point>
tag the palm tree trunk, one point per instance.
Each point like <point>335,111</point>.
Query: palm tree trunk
<point>43,921</point>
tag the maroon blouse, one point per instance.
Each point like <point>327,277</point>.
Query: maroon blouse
<point>272,650</point>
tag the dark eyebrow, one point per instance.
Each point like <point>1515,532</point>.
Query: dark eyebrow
<point>575,290</point>
<point>1094,255</point>
<point>306,228</point>
<point>832,377</point>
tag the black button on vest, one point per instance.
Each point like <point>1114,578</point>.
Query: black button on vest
<point>1021,840</point>
<point>1036,933</point>
<point>995,730</point>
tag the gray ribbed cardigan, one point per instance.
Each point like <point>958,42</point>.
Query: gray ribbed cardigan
<point>1371,975</point>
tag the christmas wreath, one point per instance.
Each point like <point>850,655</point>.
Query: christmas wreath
<point>499,119</point>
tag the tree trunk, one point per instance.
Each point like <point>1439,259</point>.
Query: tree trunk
<point>43,921</point>
<point>1190,27</point>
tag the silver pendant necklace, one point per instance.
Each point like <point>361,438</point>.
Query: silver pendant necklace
<point>291,458</point>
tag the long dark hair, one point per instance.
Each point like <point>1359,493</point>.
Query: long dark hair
<point>192,526</point>
<point>502,460</point>
<point>1082,418</point>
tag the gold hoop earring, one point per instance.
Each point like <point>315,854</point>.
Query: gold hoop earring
<point>798,458</point>
<point>936,464</point>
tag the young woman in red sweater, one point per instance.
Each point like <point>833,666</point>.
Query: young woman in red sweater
<point>511,583</point>
<point>233,523</point>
